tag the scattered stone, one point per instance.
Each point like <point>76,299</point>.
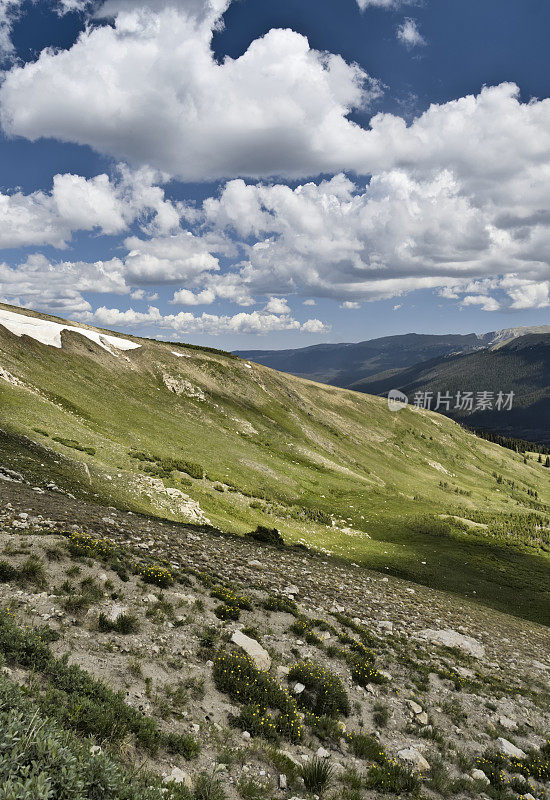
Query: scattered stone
<point>322,753</point>
<point>411,756</point>
<point>178,776</point>
<point>298,688</point>
<point>258,654</point>
<point>115,611</point>
<point>415,708</point>
<point>509,749</point>
<point>479,775</point>
<point>450,638</point>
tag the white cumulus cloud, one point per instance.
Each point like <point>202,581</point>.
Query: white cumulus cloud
<point>256,322</point>
<point>84,204</point>
<point>409,34</point>
<point>148,89</point>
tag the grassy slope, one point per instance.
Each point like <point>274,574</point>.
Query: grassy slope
<point>293,450</point>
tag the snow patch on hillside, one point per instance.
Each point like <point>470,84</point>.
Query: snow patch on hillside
<point>49,333</point>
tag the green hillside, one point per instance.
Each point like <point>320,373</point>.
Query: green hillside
<point>195,435</point>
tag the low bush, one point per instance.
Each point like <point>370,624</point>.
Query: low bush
<point>74,445</point>
<point>391,777</point>
<point>80,702</point>
<point>158,576</point>
<point>324,693</point>
<point>124,624</point>
<point>317,775</point>
<point>536,765</point>
<point>278,602</point>
<point>236,675</point>
<point>361,661</point>
<point>232,599</point>
<point>163,467</point>
<point>304,628</point>
<point>81,544</point>
<point>267,536</point>
<point>226,612</point>
<point>41,760</point>
<point>366,747</point>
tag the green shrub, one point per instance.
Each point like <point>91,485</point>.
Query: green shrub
<point>40,760</point>
<point>391,777</point>
<point>232,599</point>
<point>257,721</point>
<point>7,572</point>
<point>158,576</point>
<point>361,661</point>
<point>278,602</point>
<point>317,775</point>
<point>208,787</point>
<point>267,536</point>
<point>72,443</point>
<point>304,628</point>
<point>236,675</point>
<point>81,544</point>
<point>536,765</point>
<point>324,693</point>
<point>366,747</point>
<point>124,624</point>
<point>162,467</point>
<point>226,612</point>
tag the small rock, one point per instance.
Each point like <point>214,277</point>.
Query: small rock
<point>246,736</point>
<point>283,782</point>
<point>509,749</point>
<point>299,688</point>
<point>450,638</point>
<point>260,656</point>
<point>415,708</point>
<point>507,723</point>
<point>479,775</point>
<point>411,756</point>
<point>322,753</point>
<point>178,776</point>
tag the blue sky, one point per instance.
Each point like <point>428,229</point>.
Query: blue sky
<point>255,174</point>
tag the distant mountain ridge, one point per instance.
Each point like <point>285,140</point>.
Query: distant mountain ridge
<point>512,359</point>
<point>344,364</point>
<point>520,365</point>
